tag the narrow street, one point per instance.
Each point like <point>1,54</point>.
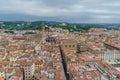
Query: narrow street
<point>64,63</point>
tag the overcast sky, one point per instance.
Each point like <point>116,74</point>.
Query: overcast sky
<point>79,11</point>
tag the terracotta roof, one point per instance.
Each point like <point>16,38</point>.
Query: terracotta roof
<point>2,79</point>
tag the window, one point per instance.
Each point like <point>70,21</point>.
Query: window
<point>73,45</point>
<point>69,45</point>
<point>65,45</point>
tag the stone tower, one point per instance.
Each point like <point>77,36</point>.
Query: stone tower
<point>43,33</point>
<point>43,27</point>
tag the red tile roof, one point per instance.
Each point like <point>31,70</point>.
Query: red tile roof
<point>1,78</point>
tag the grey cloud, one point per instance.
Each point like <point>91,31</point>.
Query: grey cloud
<point>68,10</point>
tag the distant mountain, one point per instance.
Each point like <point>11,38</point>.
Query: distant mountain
<point>36,25</point>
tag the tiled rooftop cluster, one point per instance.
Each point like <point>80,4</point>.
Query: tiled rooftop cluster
<point>88,56</point>
<point>24,57</point>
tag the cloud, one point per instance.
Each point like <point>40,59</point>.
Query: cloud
<point>89,11</point>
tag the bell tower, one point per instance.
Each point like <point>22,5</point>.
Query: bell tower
<point>43,27</point>
<point>43,33</point>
